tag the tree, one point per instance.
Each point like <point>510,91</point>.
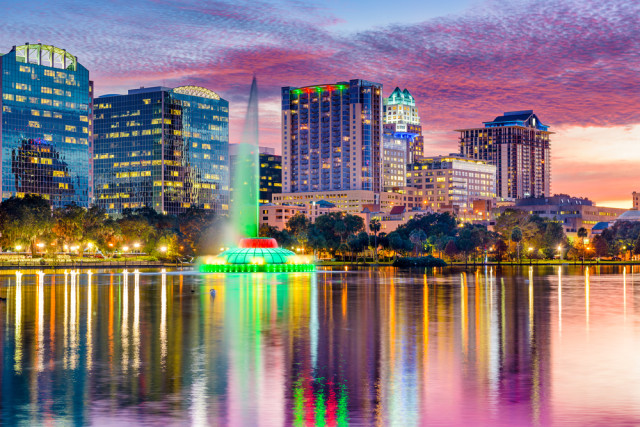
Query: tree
<point>374,226</point>
<point>68,224</point>
<point>417,237</point>
<point>397,243</point>
<point>600,246</point>
<point>193,225</point>
<point>516,236</point>
<point>298,227</point>
<point>451,250</point>
<point>501,248</point>
<point>24,220</point>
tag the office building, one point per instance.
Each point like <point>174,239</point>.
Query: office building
<point>572,212</point>
<point>162,148</point>
<point>453,183</point>
<point>517,143</point>
<point>45,125</point>
<point>332,137</point>
<point>270,172</point>
<point>394,161</point>
<point>401,119</point>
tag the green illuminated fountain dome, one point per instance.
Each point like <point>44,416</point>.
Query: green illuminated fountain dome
<point>257,255</point>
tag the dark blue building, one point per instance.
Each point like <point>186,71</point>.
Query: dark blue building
<point>45,126</point>
<point>167,149</point>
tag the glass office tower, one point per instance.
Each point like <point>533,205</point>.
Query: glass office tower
<point>45,126</point>
<point>162,148</point>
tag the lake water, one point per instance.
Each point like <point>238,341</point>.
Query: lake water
<point>541,346</point>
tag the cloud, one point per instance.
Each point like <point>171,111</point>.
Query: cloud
<point>575,63</point>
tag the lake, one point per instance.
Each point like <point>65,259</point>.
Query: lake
<point>546,345</point>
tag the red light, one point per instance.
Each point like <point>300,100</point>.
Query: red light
<point>261,243</point>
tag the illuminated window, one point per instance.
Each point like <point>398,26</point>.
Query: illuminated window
<point>34,124</point>
<point>70,128</point>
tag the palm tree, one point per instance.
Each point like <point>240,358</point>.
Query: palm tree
<point>582,234</point>
<point>516,236</point>
<point>374,226</point>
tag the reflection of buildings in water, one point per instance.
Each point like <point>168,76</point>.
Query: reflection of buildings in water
<point>37,168</point>
<point>370,347</point>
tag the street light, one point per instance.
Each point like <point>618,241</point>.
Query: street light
<point>18,248</point>
<point>163,249</point>
<point>529,251</point>
<point>560,251</point>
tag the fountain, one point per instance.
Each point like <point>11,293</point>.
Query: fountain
<point>254,253</point>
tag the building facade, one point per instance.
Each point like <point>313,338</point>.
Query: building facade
<point>452,184</point>
<point>347,201</point>
<point>45,125</point>
<point>270,173</point>
<point>278,215</point>
<point>517,143</point>
<point>162,148</point>
<point>636,200</point>
<point>573,212</point>
<point>332,137</point>
<point>402,120</point>
<point>394,162</point>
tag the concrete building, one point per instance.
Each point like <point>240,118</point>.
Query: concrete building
<point>572,212</point>
<point>390,219</point>
<point>278,215</point>
<point>347,201</point>
<point>45,125</point>
<point>455,184</point>
<point>332,137</point>
<point>402,120</point>
<point>517,143</point>
<point>270,173</point>
<point>394,163</point>
<point>162,148</point>
<point>636,200</point>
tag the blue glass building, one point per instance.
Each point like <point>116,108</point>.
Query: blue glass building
<point>332,137</point>
<point>45,126</point>
<point>167,149</point>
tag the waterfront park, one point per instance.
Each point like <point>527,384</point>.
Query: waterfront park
<point>313,325</point>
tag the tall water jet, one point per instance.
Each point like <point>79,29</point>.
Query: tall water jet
<point>253,254</point>
<point>246,175</point>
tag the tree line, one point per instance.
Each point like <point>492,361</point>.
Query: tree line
<point>29,224</point>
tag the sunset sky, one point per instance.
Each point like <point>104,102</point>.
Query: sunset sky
<point>575,63</point>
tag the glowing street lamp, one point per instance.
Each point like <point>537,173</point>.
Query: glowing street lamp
<point>125,248</point>
<point>18,248</point>
<point>163,249</point>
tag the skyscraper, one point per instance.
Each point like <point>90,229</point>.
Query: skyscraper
<point>401,119</point>
<point>332,137</point>
<point>517,143</point>
<point>45,126</point>
<point>270,172</point>
<point>162,148</point>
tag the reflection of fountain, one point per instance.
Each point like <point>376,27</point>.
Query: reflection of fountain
<point>253,254</point>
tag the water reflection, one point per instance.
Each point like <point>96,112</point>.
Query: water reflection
<point>334,348</point>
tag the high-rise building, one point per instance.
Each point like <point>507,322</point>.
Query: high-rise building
<point>453,183</point>
<point>162,148</point>
<point>402,120</point>
<point>517,143</point>
<point>636,200</point>
<point>394,161</point>
<point>45,125</point>
<point>270,173</point>
<point>332,137</point>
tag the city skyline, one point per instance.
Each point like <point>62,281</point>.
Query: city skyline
<point>573,63</point>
